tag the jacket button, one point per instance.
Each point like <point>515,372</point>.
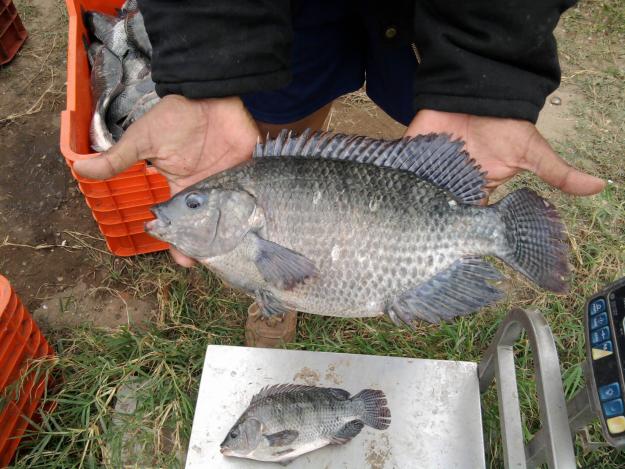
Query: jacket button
<point>390,32</point>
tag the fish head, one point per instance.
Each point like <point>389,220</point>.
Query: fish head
<point>204,223</point>
<point>99,24</point>
<point>243,438</point>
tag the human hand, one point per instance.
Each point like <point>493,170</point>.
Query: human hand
<point>186,140</point>
<point>505,147</point>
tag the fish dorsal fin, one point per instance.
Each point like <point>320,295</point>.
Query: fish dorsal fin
<point>432,157</point>
<point>277,389</point>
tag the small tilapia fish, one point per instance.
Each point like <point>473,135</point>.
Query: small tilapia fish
<point>143,105</point>
<point>285,421</point>
<point>109,30</point>
<point>351,226</point>
<point>106,84</point>
<point>136,32</point>
<point>136,67</point>
<point>137,82</point>
<point>92,51</point>
<point>125,102</point>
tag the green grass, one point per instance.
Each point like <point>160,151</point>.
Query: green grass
<point>194,309</point>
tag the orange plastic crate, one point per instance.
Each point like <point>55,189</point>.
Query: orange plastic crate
<point>12,31</point>
<point>123,229</point>
<point>120,205</point>
<point>129,200</point>
<point>20,341</point>
<point>122,184</point>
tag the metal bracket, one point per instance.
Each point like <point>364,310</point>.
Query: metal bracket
<point>553,444</point>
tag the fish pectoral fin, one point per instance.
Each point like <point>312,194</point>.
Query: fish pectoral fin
<point>347,432</point>
<point>458,290</point>
<point>280,266</point>
<point>283,438</point>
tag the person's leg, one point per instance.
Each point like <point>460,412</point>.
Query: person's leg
<point>327,61</point>
<point>391,62</point>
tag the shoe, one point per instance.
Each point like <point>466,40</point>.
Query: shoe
<point>269,333</point>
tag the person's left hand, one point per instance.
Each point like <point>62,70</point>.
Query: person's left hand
<point>505,147</point>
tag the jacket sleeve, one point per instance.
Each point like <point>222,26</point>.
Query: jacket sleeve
<point>216,48</point>
<point>487,57</point>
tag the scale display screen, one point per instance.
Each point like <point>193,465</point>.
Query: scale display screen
<point>606,336</point>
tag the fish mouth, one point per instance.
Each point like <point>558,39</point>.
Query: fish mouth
<point>225,451</point>
<point>159,226</point>
<point>159,214</point>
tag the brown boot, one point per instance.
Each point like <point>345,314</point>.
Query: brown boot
<point>269,333</point>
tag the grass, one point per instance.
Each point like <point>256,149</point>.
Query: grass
<point>194,309</point>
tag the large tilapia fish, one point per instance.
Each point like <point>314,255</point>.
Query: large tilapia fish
<point>351,226</point>
<point>285,421</point>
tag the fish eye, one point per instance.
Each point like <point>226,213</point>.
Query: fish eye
<point>193,200</point>
<point>234,434</point>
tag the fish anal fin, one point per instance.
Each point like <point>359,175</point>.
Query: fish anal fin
<point>347,432</point>
<point>458,290</point>
<point>432,157</point>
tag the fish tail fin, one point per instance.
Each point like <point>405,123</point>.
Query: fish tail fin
<point>375,413</point>
<point>534,239</point>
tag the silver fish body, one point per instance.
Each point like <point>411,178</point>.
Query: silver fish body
<point>128,6</point>
<point>125,102</point>
<point>140,107</point>
<point>136,32</point>
<point>136,67</point>
<point>109,30</point>
<point>353,227</point>
<point>283,422</point>
<point>106,84</point>
<point>92,52</point>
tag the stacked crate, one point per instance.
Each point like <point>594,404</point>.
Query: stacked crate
<point>20,341</point>
<point>12,31</point>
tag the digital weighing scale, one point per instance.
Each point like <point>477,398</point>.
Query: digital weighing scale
<point>435,404</point>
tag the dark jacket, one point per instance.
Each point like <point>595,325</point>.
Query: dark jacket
<point>483,57</point>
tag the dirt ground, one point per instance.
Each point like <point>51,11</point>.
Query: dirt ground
<point>42,213</point>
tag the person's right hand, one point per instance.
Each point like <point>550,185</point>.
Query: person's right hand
<point>186,140</point>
